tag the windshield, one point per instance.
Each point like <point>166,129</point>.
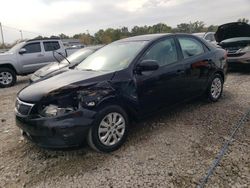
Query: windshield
<point>78,56</point>
<point>113,57</point>
<point>16,47</point>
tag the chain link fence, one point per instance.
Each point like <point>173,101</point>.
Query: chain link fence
<point>9,36</point>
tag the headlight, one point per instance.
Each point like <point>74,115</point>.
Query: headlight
<point>34,77</point>
<point>54,110</point>
<point>246,49</point>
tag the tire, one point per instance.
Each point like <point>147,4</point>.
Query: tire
<point>7,77</point>
<point>215,88</point>
<point>102,134</point>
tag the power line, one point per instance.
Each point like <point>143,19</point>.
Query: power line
<point>21,30</point>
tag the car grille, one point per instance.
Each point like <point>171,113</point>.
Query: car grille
<point>23,108</point>
<point>233,49</point>
<point>235,54</point>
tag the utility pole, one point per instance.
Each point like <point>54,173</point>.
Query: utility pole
<point>21,34</point>
<point>1,29</point>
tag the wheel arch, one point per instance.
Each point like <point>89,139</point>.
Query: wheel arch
<point>8,65</point>
<point>115,101</point>
<point>221,74</point>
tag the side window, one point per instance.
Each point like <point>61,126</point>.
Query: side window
<point>190,47</point>
<point>33,48</point>
<point>51,46</point>
<point>210,37</point>
<point>164,52</point>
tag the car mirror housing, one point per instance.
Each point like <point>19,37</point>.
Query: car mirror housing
<point>147,65</point>
<point>22,51</point>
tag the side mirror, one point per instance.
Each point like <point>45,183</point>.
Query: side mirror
<point>22,51</point>
<point>147,65</point>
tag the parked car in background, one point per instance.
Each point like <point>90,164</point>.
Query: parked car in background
<point>123,81</point>
<point>209,36</point>
<point>27,57</point>
<point>72,61</point>
<point>235,39</point>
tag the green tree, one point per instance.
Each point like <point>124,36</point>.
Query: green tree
<point>84,38</point>
<point>63,36</point>
<point>159,28</point>
<point>212,28</point>
<point>197,26</point>
<point>183,28</point>
<point>136,30</point>
<point>191,27</point>
<point>245,20</point>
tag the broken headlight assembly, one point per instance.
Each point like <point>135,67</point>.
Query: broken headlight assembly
<point>54,110</point>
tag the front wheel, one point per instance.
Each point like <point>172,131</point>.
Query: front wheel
<point>7,77</point>
<point>109,130</point>
<point>215,88</point>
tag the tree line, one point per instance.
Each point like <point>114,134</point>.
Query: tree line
<point>109,35</point>
<point>106,36</point>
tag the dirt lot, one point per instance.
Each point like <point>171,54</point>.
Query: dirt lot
<point>172,149</point>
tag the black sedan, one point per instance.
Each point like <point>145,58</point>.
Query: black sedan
<point>71,61</point>
<point>123,81</point>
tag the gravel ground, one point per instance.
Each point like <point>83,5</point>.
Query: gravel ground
<point>171,149</point>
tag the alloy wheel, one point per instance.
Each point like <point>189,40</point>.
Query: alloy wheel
<point>216,88</point>
<point>111,129</point>
<point>6,78</point>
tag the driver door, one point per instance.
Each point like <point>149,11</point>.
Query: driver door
<point>164,86</point>
<point>33,58</point>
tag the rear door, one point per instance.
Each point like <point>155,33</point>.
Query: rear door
<point>49,47</point>
<point>196,59</point>
<point>33,59</point>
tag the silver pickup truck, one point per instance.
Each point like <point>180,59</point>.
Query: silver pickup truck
<point>27,57</point>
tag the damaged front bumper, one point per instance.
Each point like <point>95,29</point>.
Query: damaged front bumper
<point>64,131</point>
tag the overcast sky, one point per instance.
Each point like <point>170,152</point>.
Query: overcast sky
<point>52,17</point>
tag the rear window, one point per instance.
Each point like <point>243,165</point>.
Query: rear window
<point>51,46</point>
<point>190,47</point>
<point>210,37</point>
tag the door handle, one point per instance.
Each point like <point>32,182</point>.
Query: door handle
<point>40,55</point>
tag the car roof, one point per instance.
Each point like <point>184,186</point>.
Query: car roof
<point>44,39</point>
<point>203,33</point>
<point>152,37</point>
<point>148,37</point>
<point>95,47</point>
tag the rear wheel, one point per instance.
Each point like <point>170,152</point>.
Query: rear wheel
<point>109,130</point>
<point>7,77</point>
<point>215,88</point>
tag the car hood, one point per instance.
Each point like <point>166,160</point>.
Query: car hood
<point>239,41</point>
<point>69,79</point>
<point>5,56</point>
<point>51,67</point>
<point>232,30</point>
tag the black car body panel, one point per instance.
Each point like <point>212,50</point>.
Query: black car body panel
<point>138,93</point>
<point>232,30</point>
<point>64,81</point>
<point>57,132</point>
<point>235,39</point>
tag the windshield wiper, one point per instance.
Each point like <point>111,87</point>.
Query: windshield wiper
<point>60,55</point>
